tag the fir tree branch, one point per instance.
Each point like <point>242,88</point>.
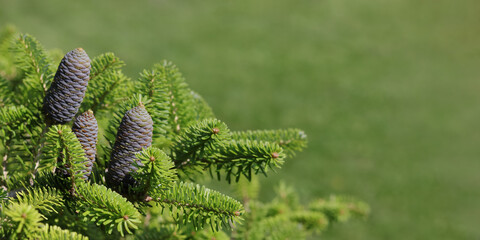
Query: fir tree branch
<point>291,140</point>
<point>51,232</point>
<point>25,221</point>
<point>162,232</point>
<point>311,221</point>
<point>105,78</point>
<point>197,141</point>
<point>171,95</point>
<point>62,144</point>
<point>239,158</point>
<point>13,120</point>
<point>200,206</point>
<point>39,149</point>
<point>278,227</point>
<point>340,208</point>
<point>153,84</point>
<point>104,207</point>
<point>155,171</point>
<point>32,59</point>
<point>44,199</point>
<point>104,64</point>
<point>117,78</point>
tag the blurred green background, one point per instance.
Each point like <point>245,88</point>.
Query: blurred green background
<point>387,90</point>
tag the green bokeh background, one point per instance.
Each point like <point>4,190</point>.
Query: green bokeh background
<point>387,90</point>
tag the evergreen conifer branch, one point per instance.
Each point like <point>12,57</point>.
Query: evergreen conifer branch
<point>38,147</point>
<point>276,228</point>
<point>106,78</point>
<point>13,120</point>
<point>165,84</point>
<point>311,221</point>
<point>198,205</point>
<point>52,232</point>
<point>44,199</point>
<point>340,208</point>
<point>63,145</point>
<point>153,83</point>
<point>44,179</point>
<point>155,171</point>
<point>32,59</point>
<point>291,140</point>
<point>107,208</point>
<point>44,166</point>
<point>6,90</point>
<point>242,157</point>
<point>197,141</point>
<point>22,220</point>
<point>163,232</point>
<point>14,117</point>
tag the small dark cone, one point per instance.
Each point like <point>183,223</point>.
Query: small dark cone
<point>85,127</point>
<point>134,134</point>
<point>68,87</point>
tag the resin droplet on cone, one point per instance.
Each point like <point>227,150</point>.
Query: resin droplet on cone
<point>68,88</point>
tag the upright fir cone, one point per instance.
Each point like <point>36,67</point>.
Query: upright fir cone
<point>134,134</point>
<point>68,87</point>
<point>85,128</point>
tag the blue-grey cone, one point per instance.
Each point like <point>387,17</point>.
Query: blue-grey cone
<point>68,88</point>
<point>85,128</point>
<point>134,134</point>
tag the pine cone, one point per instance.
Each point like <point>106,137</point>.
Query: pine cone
<point>85,128</point>
<point>134,134</point>
<point>68,87</point>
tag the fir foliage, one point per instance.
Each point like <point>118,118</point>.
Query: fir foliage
<point>191,203</point>
<point>32,59</point>
<point>198,141</point>
<point>340,208</point>
<point>155,172</point>
<point>56,233</point>
<point>22,221</point>
<point>158,134</point>
<point>245,157</point>
<point>107,208</point>
<point>105,85</point>
<point>173,101</point>
<point>291,140</point>
<point>63,145</point>
<point>44,199</point>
